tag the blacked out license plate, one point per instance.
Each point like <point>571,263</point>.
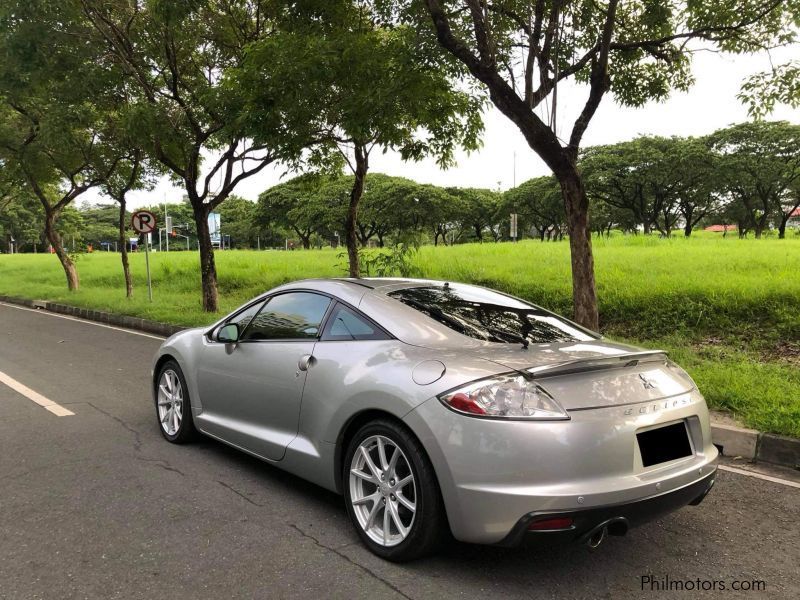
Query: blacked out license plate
<point>664,444</point>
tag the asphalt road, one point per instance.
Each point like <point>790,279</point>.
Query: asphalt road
<point>98,505</point>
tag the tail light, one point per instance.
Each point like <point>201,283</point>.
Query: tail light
<point>511,396</point>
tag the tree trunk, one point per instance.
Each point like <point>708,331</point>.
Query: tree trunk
<point>478,232</point>
<point>362,165</point>
<point>208,268</point>
<point>782,227</point>
<point>584,296</point>
<point>123,244</point>
<point>73,282</point>
<point>687,228</point>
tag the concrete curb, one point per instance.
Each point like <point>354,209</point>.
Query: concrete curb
<point>135,323</point>
<point>727,435</point>
<point>754,446</point>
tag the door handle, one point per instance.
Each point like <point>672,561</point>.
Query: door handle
<point>305,362</point>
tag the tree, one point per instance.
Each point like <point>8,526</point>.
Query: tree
<point>383,208</point>
<point>441,211</point>
<point>603,217</point>
<point>130,173</point>
<point>238,218</point>
<point>394,204</point>
<point>99,224</point>
<point>658,179</point>
<point>480,208</point>
<point>637,50</point>
<point>53,96</point>
<point>728,213</point>
<point>700,190</point>
<point>21,218</point>
<point>54,147</point>
<point>304,205</point>
<point>761,165</point>
<point>362,86</point>
<point>539,203</point>
<point>177,54</point>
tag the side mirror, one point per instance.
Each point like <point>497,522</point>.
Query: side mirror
<point>228,334</point>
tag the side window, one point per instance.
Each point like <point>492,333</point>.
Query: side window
<point>291,316</point>
<point>243,318</point>
<point>346,324</point>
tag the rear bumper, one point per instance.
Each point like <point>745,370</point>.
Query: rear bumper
<point>617,518</point>
<point>495,474</point>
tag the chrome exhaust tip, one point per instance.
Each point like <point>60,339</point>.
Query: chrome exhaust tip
<point>615,526</point>
<point>597,537</point>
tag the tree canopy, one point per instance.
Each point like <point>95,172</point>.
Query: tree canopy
<point>355,85</point>
<point>521,53</point>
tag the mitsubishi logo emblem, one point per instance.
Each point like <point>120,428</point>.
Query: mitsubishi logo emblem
<point>648,385</point>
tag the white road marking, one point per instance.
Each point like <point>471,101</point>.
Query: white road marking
<point>36,397</point>
<point>759,476</point>
<point>87,322</point>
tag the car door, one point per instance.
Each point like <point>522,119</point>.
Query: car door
<point>354,360</point>
<point>251,390</point>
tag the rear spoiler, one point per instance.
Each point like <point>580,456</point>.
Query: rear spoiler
<point>582,365</point>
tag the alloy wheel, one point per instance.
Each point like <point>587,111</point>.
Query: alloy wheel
<point>382,490</point>
<point>170,402</point>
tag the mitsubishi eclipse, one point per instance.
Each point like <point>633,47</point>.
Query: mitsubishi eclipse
<point>438,407</point>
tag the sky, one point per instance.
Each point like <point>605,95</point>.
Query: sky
<point>505,159</point>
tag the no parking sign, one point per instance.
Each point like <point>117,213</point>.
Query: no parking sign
<point>143,221</point>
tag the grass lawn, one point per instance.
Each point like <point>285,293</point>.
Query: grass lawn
<point>726,309</point>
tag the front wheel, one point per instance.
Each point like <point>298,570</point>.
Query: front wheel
<point>173,407</point>
<point>391,493</point>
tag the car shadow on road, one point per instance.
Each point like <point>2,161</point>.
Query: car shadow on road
<point>271,479</point>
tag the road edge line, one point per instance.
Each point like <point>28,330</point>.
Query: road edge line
<point>95,317</point>
<point>758,475</point>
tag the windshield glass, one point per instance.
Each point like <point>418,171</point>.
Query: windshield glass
<point>490,316</point>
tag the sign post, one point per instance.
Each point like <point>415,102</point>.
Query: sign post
<point>513,228</point>
<point>144,221</point>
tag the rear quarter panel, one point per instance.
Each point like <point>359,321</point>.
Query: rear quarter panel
<point>349,378</point>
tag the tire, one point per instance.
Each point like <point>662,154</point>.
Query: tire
<point>372,503</point>
<point>173,411</point>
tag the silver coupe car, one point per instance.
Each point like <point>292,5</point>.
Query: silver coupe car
<point>437,407</point>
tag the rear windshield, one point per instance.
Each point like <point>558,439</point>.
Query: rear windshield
<point>490,316</point>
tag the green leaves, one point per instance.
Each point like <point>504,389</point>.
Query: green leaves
<point>342,78</point>
<point>762,91</point>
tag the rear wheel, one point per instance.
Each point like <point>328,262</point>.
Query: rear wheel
<point>391,492</point>
<point>173,407</point>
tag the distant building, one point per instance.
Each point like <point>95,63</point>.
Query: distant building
<point>720,228</point>
<point>794,218</point>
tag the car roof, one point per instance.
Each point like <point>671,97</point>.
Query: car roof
<point>370,296</point>
<point>388,284</point>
